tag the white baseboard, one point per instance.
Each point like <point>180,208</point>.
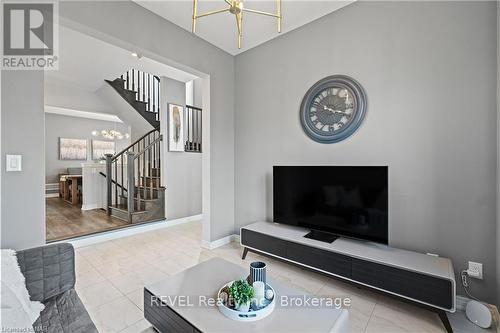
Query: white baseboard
<point>89,207</point>
<point>52,195</point>
<point>133,230</point>
<point>220,242</point>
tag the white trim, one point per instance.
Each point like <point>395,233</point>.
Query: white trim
<point>82,114</point>
<point>115,234</point>
<point>220,242</point>
<point>52,195</point>
<point>91,206</point>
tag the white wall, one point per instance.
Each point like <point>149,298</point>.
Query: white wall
<point>59,126</point>
<point>427,70</point>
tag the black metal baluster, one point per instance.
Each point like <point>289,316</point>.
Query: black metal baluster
<point>153,93</point>
<point>123,184</point>
<point>148,106</point>
<point>127,82</point>
<point>158,103</point>
<point>133,79</point>
<point>116,180</point>
<point>138,195</point>
<point>144,168</point>
<point>143,87</point>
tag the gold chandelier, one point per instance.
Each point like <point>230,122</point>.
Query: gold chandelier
<point>236,8</point>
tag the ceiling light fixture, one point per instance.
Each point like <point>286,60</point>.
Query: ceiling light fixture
<point>236,8</point>
<point>111,134</point>
<point>136,55</point>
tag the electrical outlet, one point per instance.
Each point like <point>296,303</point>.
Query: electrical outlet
<point>475,270</point>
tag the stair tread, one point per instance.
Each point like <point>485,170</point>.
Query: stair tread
<point>124,208</point>
<point>129,96</point>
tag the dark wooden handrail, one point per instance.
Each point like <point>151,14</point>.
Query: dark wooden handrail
<point>133,144</point>
<point>194,107</point>
<point>142,152</point>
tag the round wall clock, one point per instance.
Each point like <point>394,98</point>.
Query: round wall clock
<point>333,109</point>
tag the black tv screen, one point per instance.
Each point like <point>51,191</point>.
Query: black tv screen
<point>347,201</point>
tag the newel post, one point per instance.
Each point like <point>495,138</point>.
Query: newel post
<point>109,158</point>
<point>130,181</point>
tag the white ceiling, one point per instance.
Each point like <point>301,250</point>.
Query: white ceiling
<point>220,29</point>
<point>87,62</point>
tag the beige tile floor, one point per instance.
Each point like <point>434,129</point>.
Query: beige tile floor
<point>112,274</point>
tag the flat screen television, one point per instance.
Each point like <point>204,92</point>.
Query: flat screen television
<point>349,201</point>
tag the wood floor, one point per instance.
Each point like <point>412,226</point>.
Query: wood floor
<point>66,221</point>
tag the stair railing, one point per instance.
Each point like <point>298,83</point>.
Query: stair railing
<point>193,128</point>
<point>146,87</point>
<point>140,168</point>
<point>120,188</point>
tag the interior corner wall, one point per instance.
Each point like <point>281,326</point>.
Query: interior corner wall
<point>22,121</point>
<point>183,183</point>
<point>427,71</point>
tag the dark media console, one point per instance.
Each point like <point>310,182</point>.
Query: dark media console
<point>423,279</point>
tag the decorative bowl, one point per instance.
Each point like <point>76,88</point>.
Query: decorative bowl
<point>253,314</point>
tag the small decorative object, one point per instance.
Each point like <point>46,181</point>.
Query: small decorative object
<point>223,296</point>
<point>101,148</point>
<point>259,289</point>
<point>333,109</point>
<point>175,127</point>
<point>478,313</point>
<point>72,149</point>
<point>269,294</point>
<point>241,311</point>
<point>241,292</point>
<point>257,272</point>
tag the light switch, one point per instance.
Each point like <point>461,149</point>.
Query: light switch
<point>13,162</point>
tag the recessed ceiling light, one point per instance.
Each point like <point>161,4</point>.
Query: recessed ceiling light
<point>136,55</point>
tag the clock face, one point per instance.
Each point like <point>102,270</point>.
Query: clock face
<point>333,109</point>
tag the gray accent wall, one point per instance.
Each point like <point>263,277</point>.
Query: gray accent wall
<point>498,153</point>
<point>427,70</point>
<point>59,126</point>
<point>23,193</point>
<point>183,170</point>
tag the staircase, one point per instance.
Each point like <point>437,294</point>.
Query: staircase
<point>142,91</point>
<point>133,176</point>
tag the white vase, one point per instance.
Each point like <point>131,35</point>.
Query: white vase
<point>243,307</point>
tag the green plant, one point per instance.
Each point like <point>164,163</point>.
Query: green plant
<point>241,292</point>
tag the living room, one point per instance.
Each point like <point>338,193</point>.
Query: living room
<point>418,87</point>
